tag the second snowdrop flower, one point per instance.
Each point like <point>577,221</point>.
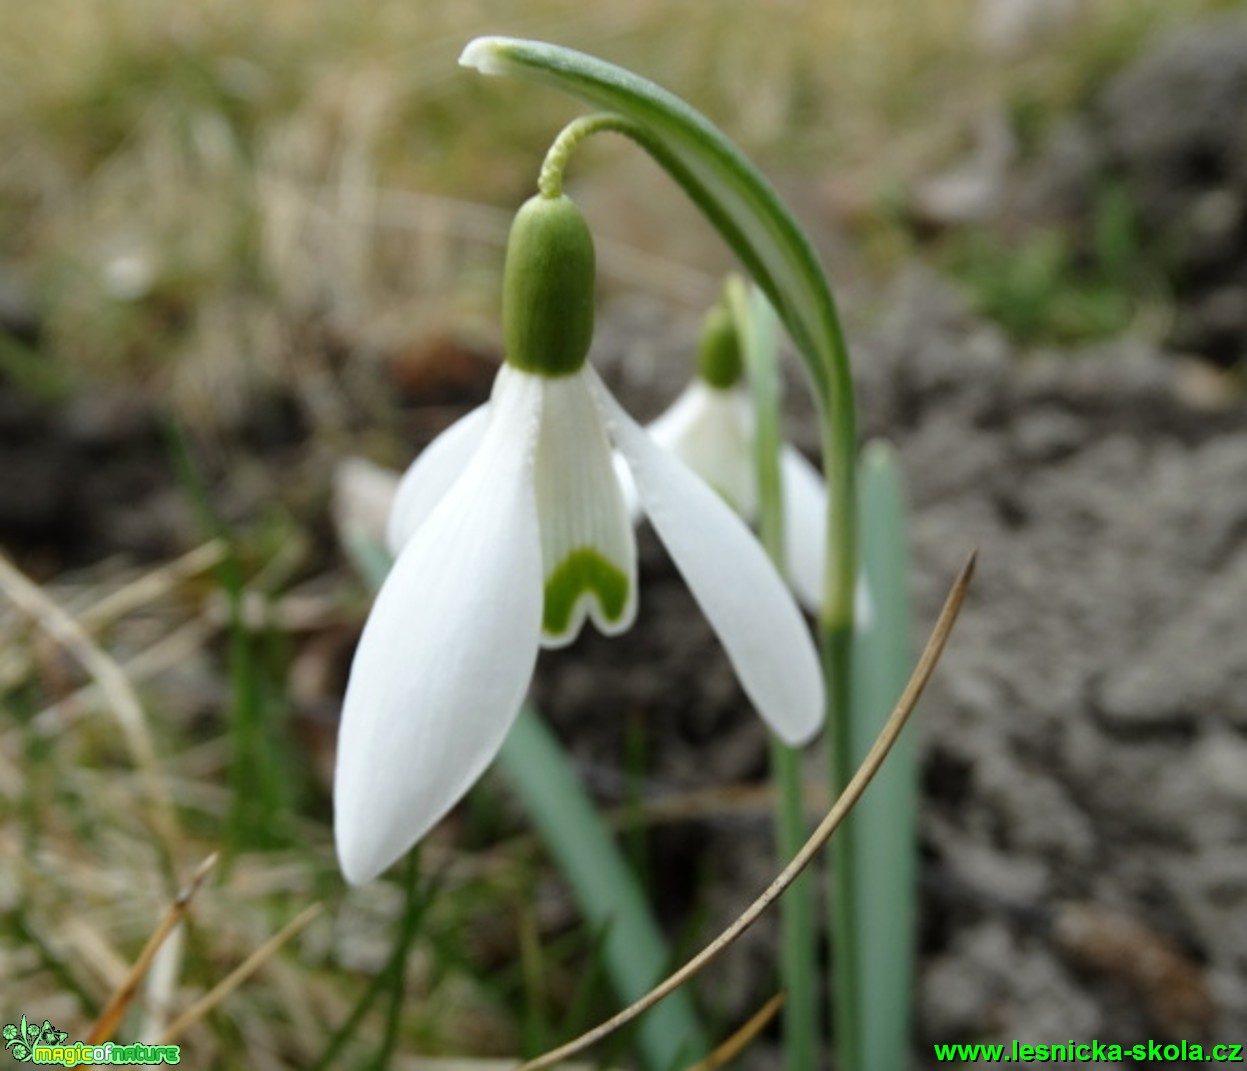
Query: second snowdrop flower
<point>710,427</point>
<point>510,531</point>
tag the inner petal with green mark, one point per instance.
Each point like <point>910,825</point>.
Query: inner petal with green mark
<point>588,549</point>
<point>583,574</point>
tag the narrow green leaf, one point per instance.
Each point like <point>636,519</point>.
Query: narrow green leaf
<point>415,902</point>
<point>885,854</point>
<point>260,791</point>
<point>750,217</point>
<point>416,899</point>
<point>636,956</point>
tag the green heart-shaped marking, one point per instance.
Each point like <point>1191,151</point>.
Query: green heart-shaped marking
<point>583,570</point>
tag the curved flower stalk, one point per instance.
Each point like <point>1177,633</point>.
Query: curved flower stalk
<point>510,532</point>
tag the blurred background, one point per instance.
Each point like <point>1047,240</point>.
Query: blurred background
<point>240,243</point>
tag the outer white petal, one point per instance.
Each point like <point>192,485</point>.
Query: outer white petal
<point>731,578</point>
<point>433,473</point>
<point>805,537</point>
<point>673,423</point>
<point>584,521</point>
<point>711,431</point>
<point>448,650</point>
<point>627,488</point>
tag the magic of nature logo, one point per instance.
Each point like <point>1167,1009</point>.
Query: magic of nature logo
<point>27,1041</point>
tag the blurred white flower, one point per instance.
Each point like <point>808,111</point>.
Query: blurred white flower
<point>710,427</point>
<point>363,497</point>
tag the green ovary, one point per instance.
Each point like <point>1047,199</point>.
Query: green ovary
<point>583,570</point>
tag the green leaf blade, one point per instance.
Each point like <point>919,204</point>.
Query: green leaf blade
<point>885,857</point>
<point>538,770</point>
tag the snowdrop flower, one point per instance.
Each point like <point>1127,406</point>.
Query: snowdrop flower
<point>710,427</point>
<point>510,530</point>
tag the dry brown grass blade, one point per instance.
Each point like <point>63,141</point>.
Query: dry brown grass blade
<point>238,975</point>
<point>170,650</point>
<point>839,811</point>
<point>113,684</point>
<point>131,596</point>
<point>152,585</point>
<point>739,1041</point>
<point>106,1024</point>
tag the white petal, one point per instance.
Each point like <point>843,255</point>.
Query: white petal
<point>711,431</point>
<point>732,580</point>
<point>805,526</point>
<point>587,543</point>
<point>363,499</point>
<point>627,488</point>
<point>673,423</point>
<point>448,650</point>
<point>432,474</point>
<point>805,537</point>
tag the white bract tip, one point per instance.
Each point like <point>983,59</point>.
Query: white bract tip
<point>485,55</point>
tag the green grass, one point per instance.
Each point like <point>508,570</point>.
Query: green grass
<point>1055,286</point>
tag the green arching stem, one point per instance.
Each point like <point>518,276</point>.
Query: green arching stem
<point>550,181</point>
<point>827,361</point>
<point>755,324</point>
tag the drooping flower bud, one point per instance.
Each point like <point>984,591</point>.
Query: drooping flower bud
<point>547,294</point>
<point>718,353</point>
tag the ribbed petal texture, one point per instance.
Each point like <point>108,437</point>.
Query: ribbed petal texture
<point>588,547</point>
<point>448,650</point>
